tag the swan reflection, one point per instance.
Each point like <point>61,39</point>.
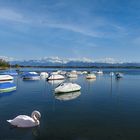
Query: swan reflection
<point>67,96</point>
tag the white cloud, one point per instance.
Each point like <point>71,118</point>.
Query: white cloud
<point>96,27</point>
<point>75,28</point>
<point>11,15</point>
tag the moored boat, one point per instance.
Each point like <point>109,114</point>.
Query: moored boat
<point>7,87</point>
<point>29,76</point>
<point>67,87</point>
<point>99,72</point>
<point>44,74</point>
<point>6,77</point>
<point>91,76</point>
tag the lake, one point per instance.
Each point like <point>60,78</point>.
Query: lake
<point>104,109</point>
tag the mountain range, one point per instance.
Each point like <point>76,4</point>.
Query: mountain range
<point>56,61</point>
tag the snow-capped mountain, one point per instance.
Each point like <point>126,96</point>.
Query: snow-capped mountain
<point>75,62</point>
<point>56,61</point>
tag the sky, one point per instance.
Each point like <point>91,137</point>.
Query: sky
<point>94,29</point>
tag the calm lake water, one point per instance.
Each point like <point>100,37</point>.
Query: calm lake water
<point>104,109</point>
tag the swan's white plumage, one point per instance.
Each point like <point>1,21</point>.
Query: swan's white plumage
<point>24,121</point>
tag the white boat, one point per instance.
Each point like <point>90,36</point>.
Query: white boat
<point>67,87</point>
<point>63,72</point>
<point>84,72</point>
<point>91,76</point>
<point>72,75</point>
<point>67,96</point>
<point>6,77</point>
<point>44,74</point>
<point>73,72</point>
<point>56,77</point>
<point>79,72</point>
<point>99,72</point>
<point>7,87</point>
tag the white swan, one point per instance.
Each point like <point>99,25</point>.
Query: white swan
<point>26,121</point>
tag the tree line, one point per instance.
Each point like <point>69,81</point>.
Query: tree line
<point>4,63</point>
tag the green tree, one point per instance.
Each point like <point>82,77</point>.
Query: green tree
<point>4,63</point>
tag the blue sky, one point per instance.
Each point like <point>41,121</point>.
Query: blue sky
<point>95,29</point>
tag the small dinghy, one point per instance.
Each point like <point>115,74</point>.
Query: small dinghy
<point>6,78</point>
<point>7,87</point>
<point>67,96</point>
<point>67,87</point>
<point>56,77</point>
<point>91,76</point>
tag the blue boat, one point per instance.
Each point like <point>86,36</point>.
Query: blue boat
<point>29,76</point>
<point>7,87</point>
<point>118,75</point>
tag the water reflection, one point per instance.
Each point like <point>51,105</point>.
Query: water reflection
<point>111,86</point>
<point>11,81</point>
<point>104,103</point>
<point>8,93</point>
<point>36,132</point>
<point>67,96</point>
<point>55,82</point>
<point>72,79</point>
<point>91,80</point>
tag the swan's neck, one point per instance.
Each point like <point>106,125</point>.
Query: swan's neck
<point>35,119</point>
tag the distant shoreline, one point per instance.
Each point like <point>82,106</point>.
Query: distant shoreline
<point>74,67</point>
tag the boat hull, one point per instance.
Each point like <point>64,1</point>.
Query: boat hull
<point>8,89</point>
<point>31,78</point>
<point>70,91</point>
